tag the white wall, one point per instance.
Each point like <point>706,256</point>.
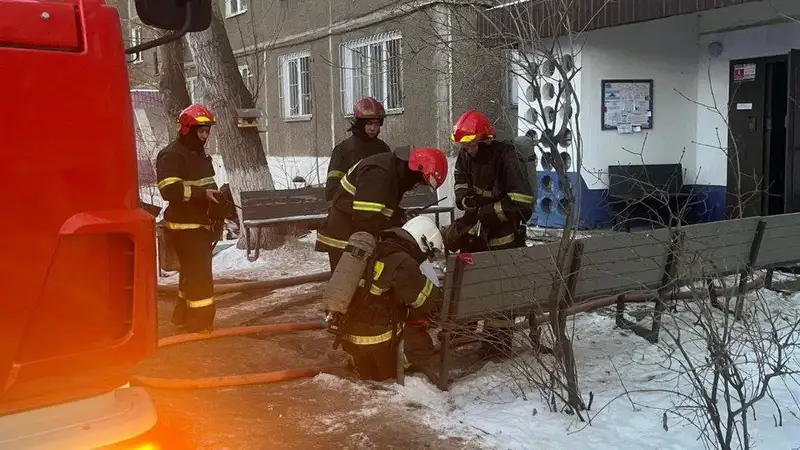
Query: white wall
<point>664,51</point>
<point>713,84</point>
<point>674,53</point>
<point>529,106</point>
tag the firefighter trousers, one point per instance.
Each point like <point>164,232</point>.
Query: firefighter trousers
<point>195,308</point>
<point>378,362</point>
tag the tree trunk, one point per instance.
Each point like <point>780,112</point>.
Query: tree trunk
<point>225,91</point>
<point>172,82</point>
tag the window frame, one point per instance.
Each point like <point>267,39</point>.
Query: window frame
<point>242,6</point>
<point>248,80</point>
<point>136,39</point>
<point>348,53</point>
<point>304,99</point>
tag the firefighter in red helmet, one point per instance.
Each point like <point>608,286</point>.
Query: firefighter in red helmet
<point>186,180</point>
<point>368,116</point>
<point>493,190</point>
<point>369,195</point>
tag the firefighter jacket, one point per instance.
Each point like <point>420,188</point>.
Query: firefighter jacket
<point>497,179</point>
<point>350,151</point>
<point>367,199</point>
<point>396,293</point>
<point>183,176</point>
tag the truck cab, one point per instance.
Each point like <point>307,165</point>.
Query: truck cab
<point>78,262</point>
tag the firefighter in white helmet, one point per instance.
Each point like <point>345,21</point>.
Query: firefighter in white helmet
<point>396,302</point>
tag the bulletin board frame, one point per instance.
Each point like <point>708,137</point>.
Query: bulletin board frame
<point>608,87</point>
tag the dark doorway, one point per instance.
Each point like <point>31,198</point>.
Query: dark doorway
<point>775,139</point>
<point>759,168</point>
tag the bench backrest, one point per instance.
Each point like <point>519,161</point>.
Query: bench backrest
<point>260,205</point>
<point>520,280</point>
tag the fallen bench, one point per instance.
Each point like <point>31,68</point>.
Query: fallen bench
<point>307,207</point>
<point>518,282</point>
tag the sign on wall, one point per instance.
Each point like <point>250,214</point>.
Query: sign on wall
<point>627,105</point>
<point>744,72</point>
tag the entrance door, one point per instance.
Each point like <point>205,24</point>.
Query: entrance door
<point>760,170</point>
<point>792,181</point>
<point>746,137</point>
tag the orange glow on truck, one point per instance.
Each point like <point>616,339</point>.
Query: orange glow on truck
<point>78,264</point>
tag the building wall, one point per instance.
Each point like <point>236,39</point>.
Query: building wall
<point>673,52</point>
<point>713,72</point>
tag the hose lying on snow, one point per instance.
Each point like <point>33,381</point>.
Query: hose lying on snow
<point>235,380</point>
<point>293,374</point>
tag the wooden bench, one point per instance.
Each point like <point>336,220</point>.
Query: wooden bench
<point>306,206</point>
<point>516,282</point>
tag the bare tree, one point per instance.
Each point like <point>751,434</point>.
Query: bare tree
<point>172,81</point>
<point>241,148</point>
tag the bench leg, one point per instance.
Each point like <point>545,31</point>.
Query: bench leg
<point>401,369</point>
<point>444,367</point>
<point>247,243</point>
<point>256,247</point>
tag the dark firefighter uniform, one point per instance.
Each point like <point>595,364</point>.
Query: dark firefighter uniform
<point>368,200</point>
<point>353,149</point>
<point>184,175</point>
<point>496,179</point>
<point>397,303</point>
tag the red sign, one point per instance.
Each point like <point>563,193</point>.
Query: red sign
<point>744,72</point>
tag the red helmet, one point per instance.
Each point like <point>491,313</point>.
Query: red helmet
<point>194,116</point>
<point>472,126</point>
<point>431,162</point>
<point>368,108</point>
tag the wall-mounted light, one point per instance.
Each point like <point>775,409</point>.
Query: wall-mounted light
<point>715,49</point>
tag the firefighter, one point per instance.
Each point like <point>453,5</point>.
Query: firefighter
<point>493,190</point>
<point>368,115</point>
<point>186,180</point>
<point>396,304</point>
<point>368,196</point>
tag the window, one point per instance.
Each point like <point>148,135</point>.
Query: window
<point>136,39</point>
<point>295,85</point>
<point>372,67</point>
<point>195,90</point>
<point>247,77</point>
<point>235,7</point>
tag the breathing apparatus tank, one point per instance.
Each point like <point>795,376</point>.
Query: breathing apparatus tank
<point>350,270</point>
<point>526,152</point>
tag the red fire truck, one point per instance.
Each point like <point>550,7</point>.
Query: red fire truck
<point>78,267</point>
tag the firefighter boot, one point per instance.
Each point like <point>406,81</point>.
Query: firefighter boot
<point>201,319</point>
<point>179,312</point>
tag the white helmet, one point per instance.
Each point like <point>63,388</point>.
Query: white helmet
<point>425,233</point>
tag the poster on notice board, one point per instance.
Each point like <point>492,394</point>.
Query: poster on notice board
<point>627,105</point>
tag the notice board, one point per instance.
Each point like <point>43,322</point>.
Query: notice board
<point>627,105</point>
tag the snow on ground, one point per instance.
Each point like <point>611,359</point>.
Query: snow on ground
<point>487,407</point>
<point>294,258</point>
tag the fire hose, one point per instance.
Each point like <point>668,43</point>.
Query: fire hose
<point>235,380</point>
<point>293,374</point>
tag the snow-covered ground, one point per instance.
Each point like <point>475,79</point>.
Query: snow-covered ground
<point>497,408</point>
<point>294,258</point>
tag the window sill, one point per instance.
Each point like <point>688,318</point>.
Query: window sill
<point>305,118</point>
<point>232,15</point>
